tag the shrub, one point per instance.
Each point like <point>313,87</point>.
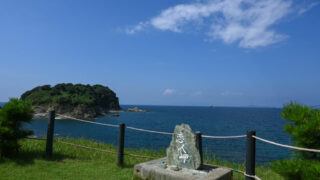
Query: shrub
<point>12,115</point>
<point>304,128</point>
<point>297,169</point>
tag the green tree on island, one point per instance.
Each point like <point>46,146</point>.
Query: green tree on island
<point>304,128</point>
<point>82,101</point>
<point>12,115</point>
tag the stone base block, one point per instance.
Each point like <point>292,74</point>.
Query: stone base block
<point>158,170</point>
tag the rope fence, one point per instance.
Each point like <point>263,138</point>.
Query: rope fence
<point>85,147</point>
<point>204,136</point>
<point>251,176</point>
<point>250,136</point>
<point>135,155</point>
<point>149,131</point>
<point>102,124</point>
<point>287,146</point>
<point>92,148</point>
<point>224,137</point>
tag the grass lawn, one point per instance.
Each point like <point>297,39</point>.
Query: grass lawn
<point>69,162</point>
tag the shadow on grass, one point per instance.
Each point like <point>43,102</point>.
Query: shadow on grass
<point>28,157</point>
<point>126,166</point>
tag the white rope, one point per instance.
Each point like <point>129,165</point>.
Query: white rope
<point>145,130</point>
<point>150,131</point>
<point>255,177</point>
<point>223,137</point>
<point>103,124</point>
<point>113,125</point>
<point>287,146</point>
<point>237,171</point>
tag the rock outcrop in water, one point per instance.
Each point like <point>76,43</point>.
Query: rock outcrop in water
<point>80,101</point>
<point>136,109</point>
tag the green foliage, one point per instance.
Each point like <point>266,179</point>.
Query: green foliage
<point>73,95</point>
<point>12,115</point>
<point>304,128</point>
<point>297,169</point>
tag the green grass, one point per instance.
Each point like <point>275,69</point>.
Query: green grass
<point>70,162</point>
<point>263,172</point>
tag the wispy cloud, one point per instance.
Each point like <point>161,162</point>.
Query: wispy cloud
<point>304,9</point>
<point>136,28</point>
<point>169,91</point>
<point>246,22</point>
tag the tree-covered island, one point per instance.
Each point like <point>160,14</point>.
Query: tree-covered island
<point>80,101</point>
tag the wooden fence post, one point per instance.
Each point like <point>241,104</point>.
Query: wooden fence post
<point>251,155</point>
<point>122,127</point>
<point>50,132</point>
<point>199,146</point>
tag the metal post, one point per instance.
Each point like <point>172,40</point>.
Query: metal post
<point>121,143</point>
<point>50,132</point>
<point>199,146</point>
<point>251,155</point>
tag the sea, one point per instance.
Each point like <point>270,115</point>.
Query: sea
<point>212,121</point>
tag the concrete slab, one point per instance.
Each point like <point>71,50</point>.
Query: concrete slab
<point>158,170</point>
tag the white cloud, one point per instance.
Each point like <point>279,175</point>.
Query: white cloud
<point>230,93</point>
<point>136,28</point>
<point>175,17</point>
<point>169,91</point>
<point>246,22</point>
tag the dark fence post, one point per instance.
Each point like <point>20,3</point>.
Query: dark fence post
<point>199,146</point>
<point>251,155</point>
<point>50,131</point>
<point>122,127</point>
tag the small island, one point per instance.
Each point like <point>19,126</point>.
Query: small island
<point>136,109</point>
<point>79,101</point>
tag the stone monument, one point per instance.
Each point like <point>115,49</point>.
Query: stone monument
<point>182,162</point>
<point>182,151</point>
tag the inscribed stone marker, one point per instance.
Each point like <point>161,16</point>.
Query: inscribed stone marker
<point>182,151</point>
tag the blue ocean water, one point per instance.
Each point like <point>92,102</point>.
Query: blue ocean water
<point>217,121</point>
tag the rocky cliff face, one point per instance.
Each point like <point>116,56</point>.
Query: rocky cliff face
<point>67,110</point>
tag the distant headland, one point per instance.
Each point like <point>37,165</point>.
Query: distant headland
<point>76,100</point>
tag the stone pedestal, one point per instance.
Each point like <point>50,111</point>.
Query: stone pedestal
<point>159,170</point>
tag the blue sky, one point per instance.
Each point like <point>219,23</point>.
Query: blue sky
<point>168,52</point>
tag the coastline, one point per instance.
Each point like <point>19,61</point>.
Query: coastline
<point>40,113</point>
